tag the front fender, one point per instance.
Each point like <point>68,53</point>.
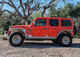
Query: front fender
<point>22,31</point>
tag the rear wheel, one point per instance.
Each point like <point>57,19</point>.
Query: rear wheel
<point>65,40</point>
<point>16,39</point>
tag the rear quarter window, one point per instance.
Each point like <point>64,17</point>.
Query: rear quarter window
<point>66,23</point>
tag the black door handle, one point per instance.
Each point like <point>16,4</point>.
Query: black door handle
<point>44,28</point>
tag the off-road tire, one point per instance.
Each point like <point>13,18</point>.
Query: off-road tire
<point>60,40</point>
<point>16,45</point>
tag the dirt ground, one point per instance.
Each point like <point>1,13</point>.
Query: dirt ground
<point>39,49</point>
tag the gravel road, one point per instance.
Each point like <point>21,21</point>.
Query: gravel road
<point>39,49</point>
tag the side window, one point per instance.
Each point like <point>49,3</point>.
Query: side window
<point>65,22</point>
<point>40,22</point>
<point>53,22</point>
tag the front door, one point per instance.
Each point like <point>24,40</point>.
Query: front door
<point>40,28</point>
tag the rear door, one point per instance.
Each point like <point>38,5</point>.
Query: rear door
<point>53,27</point>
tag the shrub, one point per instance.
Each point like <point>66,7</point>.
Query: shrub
<point>1,31</point>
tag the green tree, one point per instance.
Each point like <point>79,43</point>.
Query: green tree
<point>65,12</point>
<point>52,12</point>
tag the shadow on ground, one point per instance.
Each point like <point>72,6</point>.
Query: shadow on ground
<point>46,45</point>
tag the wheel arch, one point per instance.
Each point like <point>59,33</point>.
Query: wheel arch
<point>21,31</point>
<point>64,32</point>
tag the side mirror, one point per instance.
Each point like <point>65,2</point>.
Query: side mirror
<point>34,23</point>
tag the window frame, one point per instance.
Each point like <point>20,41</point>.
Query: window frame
<point>54,19</point>
<point>40,25</point>
<point>67,21</point>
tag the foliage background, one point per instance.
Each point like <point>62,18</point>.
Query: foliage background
<point>68,11</point>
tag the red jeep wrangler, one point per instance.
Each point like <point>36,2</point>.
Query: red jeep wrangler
<point>59,30</point>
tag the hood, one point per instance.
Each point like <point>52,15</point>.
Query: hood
<point>20,26</point>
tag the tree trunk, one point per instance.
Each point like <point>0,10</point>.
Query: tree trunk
<point>43,13</point>
<point>23,22</point>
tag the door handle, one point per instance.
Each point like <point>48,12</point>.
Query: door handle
<point>44,28</point>
<point>56,28</point>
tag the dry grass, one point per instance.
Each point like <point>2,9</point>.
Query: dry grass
<point>1,36</point>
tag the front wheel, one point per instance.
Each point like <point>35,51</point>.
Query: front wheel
<point>65,40</point>
<point>16,39</point>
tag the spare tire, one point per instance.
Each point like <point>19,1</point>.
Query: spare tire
<point>75,30</point>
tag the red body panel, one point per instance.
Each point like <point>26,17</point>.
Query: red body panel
<point>50,31</point>
<point>38,31</point>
